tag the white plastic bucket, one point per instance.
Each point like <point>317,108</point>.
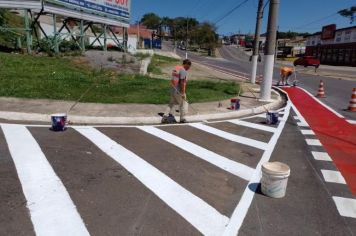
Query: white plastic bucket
<point>274,179</point>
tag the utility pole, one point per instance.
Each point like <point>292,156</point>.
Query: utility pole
<point>138,34</point>
<point>256,45</point>
<point>186,42</point>
<point>270,50</point>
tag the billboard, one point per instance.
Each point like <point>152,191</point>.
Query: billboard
<point>21,4</point>
<point>328,32</point>
<point>111,9</point>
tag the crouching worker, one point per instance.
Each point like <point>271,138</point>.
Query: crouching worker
<point>286,72</point>
<point>178,93</point>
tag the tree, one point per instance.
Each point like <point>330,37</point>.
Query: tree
<point>348,13</point>
<point>205,36</point>
<point>2,17</point>
<point>151,21</point>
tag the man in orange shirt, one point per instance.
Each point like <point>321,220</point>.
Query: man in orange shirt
<point>178,92</point>
<point>286,72</point>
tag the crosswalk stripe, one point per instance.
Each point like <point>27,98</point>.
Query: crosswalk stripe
<point>197,212</point>
<point>244,204</point>
<point>302,124</point>
<point>231,137</point>
<point>321,156</point>
<point>51,208</point>
<point>346,206</point>
<point>333,176</point>
<point>224,163</point>
<point>307,132</point>
<point>313,142</point>
<point>253,125</point>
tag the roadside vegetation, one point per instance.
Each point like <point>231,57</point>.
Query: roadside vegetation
<point>158,61</point>
<point>60,78</point>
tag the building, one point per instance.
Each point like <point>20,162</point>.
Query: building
<point>333,46</point>
<point>291,47</point>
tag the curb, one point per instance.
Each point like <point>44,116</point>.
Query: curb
<point>74,119</point>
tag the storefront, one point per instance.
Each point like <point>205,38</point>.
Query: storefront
<point>333,46</point>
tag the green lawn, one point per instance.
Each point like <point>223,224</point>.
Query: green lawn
<point>158,61</point>
<point>59,78</point>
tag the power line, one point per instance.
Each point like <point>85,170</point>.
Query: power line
<point>231,11</point>
<point>316,21</point>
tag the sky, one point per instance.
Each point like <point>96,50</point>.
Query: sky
<point>294,15</point>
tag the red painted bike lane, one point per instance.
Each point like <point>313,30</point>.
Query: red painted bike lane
<point>336,134</point>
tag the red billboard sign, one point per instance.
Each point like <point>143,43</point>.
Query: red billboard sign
<point>328,32</point>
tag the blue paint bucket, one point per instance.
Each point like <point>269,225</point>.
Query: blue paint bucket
<point>59,121</point>
<point>235,104</point>
<point>272,117</point>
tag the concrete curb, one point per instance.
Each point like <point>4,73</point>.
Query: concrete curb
<point>74,119</point>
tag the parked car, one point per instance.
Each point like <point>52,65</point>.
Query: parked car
<point>307,61</point>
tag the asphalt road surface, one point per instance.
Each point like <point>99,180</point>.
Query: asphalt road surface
<point>190,179</point>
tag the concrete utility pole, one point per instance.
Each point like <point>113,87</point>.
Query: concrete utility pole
<point>270,50</point>
<point>186,43</point>
<point>256,45</point>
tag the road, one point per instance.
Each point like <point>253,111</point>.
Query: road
<point>234,61</point>
<point>190,179</point>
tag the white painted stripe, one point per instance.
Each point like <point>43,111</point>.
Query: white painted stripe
<point>321,156</point>
<point>323,104</point>
<point>313,142</point>
<point>353,122</point>
<point>51,208</point>
<point>346,206</point>
<point>307,132</point>
<point>197,212</point>
<point>333,176</point>
<point>296,117</point>
<point>231,137</point>
<point>253,125</point>
<point>224,163</point>
<point>302,124</point>
<point>244,204</point>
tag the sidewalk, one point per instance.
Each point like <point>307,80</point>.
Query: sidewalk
<point>39,110</point>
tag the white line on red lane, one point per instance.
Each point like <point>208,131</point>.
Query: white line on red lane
<point>231,137</point>
<point>353,122</point>
<point>51,208</point>
<point>197,212</point>
<point>323,104</point>
<point>224,163</point>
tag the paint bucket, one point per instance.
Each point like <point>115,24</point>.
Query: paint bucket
<point>274,179</point>
<point>235,104</point>
<point>272,117</point>
<point>59,121</point>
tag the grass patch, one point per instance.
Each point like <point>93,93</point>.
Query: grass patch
<point>159,61</point>
<point>27,76</point>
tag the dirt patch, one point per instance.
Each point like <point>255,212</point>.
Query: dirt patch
<point>123,63</point>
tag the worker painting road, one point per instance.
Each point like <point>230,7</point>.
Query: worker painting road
<point>190,179</point>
